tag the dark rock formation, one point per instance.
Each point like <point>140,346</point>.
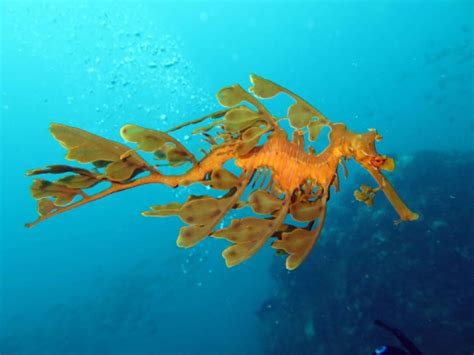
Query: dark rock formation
<point>415,276</point>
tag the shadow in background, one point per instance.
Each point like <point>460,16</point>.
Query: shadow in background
<point>416,276</point>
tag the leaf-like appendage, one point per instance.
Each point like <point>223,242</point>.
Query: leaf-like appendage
<point>314,129</point>
<point>45,206</point>
<point>191,235</point>
<point>86,147</point>
<point>100,164</point>
<point>62,194</point>
<point>121,170</point>
<point>299,114</point>
<point>245,147</point>
<point>60,169</point>
<point>262,202</point>
<point>147,140</point>
<point>250,139</point>
<point>297,244</point>
<point>78,181</point>
<point>238,253</point>
<point>177,156</point>
<point>253,133</point>
<point>161,144</point>
<point>366,194</point>
<point>306,211</point>
<point>62,191</point>
<point>240,118</point>
<point>245,230</point>
<point>231,95</point>
<point>222,179</point>
<point>203,214</point>
<point>249,235</point>
<point>263,88</point>
<point>202,211</point>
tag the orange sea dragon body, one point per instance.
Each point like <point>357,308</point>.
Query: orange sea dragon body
<point>297,180</point>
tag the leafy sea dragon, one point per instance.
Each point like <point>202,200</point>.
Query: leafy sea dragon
<point>297,180</point>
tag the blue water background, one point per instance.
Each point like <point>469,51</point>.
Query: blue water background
<point>102,279</point>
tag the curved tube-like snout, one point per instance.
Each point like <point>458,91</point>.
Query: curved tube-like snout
<point>364,152</point>
<point>403,211</point>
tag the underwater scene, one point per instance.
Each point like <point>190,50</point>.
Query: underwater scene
<point>237,177</point>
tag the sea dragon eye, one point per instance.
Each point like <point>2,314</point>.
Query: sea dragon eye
<point>377,161</point>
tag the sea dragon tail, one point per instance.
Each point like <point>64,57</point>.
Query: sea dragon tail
<point>115,164</point>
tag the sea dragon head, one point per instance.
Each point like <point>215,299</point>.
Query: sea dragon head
<point>361,147</point>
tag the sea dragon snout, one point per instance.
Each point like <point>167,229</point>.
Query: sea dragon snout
<point>291,182</point>
<point>365,153</point>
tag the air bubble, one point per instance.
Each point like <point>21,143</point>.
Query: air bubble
<point>170,62</point>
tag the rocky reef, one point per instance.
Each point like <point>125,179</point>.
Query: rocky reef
<point>415,276</point>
